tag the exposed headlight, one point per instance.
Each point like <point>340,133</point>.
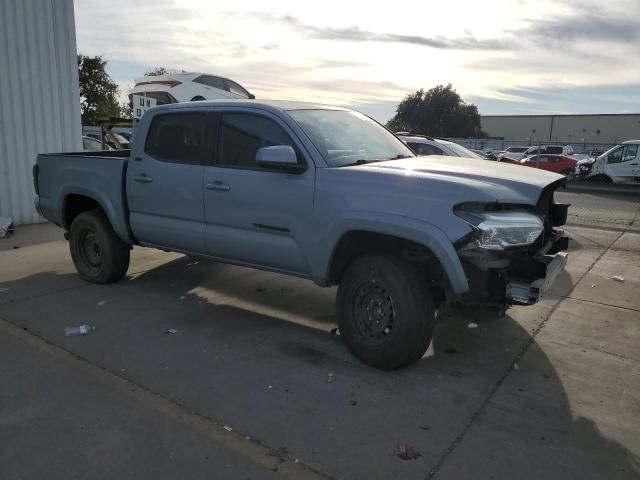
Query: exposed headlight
<point>501,230</point>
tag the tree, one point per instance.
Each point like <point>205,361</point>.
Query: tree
<point>98,93</point>
<point>439,112</point>
<point>155,71</point>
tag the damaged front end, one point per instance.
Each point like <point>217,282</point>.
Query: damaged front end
<point>514,252</point>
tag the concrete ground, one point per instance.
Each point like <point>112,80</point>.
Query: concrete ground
<point>253,385</point>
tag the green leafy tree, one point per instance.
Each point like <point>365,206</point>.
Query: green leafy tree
<point>98,92</point>
<point>439,112</point>
<point>155,71</point>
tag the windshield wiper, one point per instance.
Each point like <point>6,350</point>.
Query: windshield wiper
<point>363,161</point>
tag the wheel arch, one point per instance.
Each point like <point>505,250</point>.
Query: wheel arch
<point>387,230</point>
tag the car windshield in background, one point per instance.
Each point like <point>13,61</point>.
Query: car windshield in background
<point>349,138</point>
<point>462,151</point>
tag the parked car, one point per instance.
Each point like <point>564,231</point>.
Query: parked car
<point>318,192</point>
<point>423,145</point>
<point>553,163</point>
<point>620,164</point>
<point>511,152</point>
<point>538,150</point>
<point>188,87</point>
<point>91,143</point>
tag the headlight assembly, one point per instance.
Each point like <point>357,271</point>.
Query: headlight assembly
<point>502,230</point>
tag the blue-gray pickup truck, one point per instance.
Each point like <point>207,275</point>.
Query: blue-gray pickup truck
<point>319,192</point>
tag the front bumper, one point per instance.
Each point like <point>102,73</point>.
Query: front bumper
<point>524,293</point>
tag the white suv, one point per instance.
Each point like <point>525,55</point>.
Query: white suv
<point>423,145</point>
<point>188,87</point>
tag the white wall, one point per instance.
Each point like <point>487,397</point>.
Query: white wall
<point>39,95</point>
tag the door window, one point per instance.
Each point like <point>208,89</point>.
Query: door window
<point>177,138</point>
<point>616,155</point>
<point>210,81</point>
<point>630,152</point>
<point>241,135</point>
<point>425,149</point>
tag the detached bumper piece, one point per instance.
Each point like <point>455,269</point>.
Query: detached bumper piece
<point>529,293</point>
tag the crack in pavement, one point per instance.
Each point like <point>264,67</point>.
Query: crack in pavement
<point>458,439</point>
<point>249,448</point>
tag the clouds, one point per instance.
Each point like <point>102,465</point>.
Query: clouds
<point>494,52</point>
<point>355,34</point>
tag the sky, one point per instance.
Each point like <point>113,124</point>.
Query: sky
<point>505,56</point>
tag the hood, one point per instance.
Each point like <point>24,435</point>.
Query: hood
<point>466,180</point>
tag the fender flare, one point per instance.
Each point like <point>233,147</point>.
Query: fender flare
<point>103,201</point>
<point>409,228</point>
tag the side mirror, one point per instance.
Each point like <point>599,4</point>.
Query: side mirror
<point>279,157</point>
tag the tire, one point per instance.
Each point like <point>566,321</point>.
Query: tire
<point>399,331</point>
<point>98,254</point>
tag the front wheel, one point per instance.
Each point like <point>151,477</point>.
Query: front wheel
<point>97,252</point>
<point>385,311</point>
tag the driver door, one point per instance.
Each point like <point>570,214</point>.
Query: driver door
<point>253,215</point>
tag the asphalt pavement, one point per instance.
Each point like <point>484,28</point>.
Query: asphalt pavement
<point>254,383</point>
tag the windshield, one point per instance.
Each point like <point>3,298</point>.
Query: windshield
<point>461,151</point>
<point>349,138</point>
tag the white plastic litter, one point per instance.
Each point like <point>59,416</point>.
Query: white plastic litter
<point>80,330</point>
<point>472,325</point>
<point>228,429</point>
<point>617,278</point>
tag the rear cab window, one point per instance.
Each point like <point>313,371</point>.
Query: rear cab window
<point>178,138</point>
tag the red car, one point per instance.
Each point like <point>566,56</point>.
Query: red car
<point>553,163</point>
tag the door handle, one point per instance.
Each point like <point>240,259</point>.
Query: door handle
<point>218,186</point>
<point>143,178</point>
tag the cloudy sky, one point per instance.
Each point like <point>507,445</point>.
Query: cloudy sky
<point>506,56</point>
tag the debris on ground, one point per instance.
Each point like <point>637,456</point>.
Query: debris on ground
<point>2,290</point>
<point>594,285</point>
<point>101,303</point>
<point>617,278</point>
<point>516,367</point>
<point>79,330</point>
<point>261,289</point>
<point>353,403</point>
<point>450,350</point>
<point>330,378</point>
<point>406,452</point>
<point>425,428</point>
<point>171,330</point>
<point>15,247</point>
<point>228,428</point>
<point>6,226</point>
<point>333,331</point>
<point>472,325</point>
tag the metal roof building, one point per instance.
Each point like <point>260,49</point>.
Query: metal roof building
<point>598,128</point>
<point>39,95</point>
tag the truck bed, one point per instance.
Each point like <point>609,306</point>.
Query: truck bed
<point>96,175</point>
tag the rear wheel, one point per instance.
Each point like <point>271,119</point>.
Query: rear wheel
<point>98,254</point>
<point>385,311</point>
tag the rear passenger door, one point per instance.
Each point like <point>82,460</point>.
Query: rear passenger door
<point>164,182</point>
<point>257,216</point>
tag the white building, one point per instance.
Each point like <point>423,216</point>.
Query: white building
<point>39,95</point>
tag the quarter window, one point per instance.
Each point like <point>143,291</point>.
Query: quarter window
<point>177,137</point>
<point>425,149</point>
<point>630,153</point>
<point>233,87</point>
<point>241,135</point>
